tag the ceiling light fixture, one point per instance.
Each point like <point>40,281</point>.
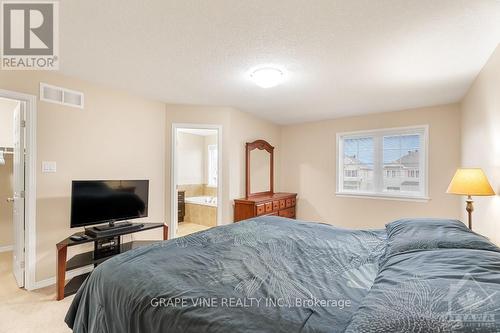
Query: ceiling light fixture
<point>267,77</point>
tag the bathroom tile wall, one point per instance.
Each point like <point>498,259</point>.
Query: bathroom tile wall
<point>192,190</point>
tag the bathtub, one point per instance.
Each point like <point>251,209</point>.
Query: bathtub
<point>201,210</point>
<point>202,200</point>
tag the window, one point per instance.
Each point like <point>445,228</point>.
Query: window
<point>383,163</point>
<point>212,165</point>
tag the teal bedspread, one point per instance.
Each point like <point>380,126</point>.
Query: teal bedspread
<point>273,274</point>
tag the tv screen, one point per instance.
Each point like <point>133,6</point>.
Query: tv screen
<point>100,201</point>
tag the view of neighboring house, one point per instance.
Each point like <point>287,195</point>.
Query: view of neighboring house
<point>358,176</point>
<point>401,175</point>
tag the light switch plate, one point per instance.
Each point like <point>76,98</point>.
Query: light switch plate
<point>49,166</point>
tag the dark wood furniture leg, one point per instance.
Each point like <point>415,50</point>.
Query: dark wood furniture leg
<point>62,251</point>
<point>165,232</point>
<point>87,258</point>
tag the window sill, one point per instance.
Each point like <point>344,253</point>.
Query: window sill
<point>379,196</point>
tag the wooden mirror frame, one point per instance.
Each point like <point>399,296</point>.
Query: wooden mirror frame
<point>261,145</point>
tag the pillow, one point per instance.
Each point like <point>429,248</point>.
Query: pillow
<point>425,234</point>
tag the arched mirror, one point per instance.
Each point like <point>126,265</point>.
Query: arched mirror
<point>259,168</point>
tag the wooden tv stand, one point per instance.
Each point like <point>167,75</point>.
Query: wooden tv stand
<point>87,258</point>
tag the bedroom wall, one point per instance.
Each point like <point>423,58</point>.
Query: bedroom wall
<point>481,143</point>
<point>238,128</point>
<point>308,166</point>
<point>116,136</point>
<point>247,128</point>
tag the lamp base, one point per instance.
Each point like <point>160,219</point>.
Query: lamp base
<point>469,208</point>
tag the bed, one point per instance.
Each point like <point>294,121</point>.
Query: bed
<point>272,274</point>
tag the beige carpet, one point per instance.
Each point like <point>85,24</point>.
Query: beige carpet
<point>24,311</point>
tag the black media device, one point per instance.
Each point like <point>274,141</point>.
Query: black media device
<point>108,201</point>
<point>106,247</point>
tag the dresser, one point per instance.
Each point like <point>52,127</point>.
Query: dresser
<point>276,204</point>
<point>260,198</point>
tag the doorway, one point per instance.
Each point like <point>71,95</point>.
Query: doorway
<point>17,191</point>
<point>196,178</point>
<point>12,180</point>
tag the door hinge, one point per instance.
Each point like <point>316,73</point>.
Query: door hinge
<point>22,264</point>
<point>22,194</point>
<point>23,123</point>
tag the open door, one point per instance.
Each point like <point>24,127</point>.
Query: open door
<point>18,251</point>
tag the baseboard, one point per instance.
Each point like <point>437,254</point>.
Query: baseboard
<point>6,248</point>
<point>69,274</point>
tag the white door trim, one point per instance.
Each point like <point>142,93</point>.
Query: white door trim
<point>30,186</point>
<point>173,175</point>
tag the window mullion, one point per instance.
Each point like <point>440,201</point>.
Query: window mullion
<point>378,164</point>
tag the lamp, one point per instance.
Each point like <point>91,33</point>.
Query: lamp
<point>470,182</point>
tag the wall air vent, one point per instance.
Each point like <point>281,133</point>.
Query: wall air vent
<point>63,96</point>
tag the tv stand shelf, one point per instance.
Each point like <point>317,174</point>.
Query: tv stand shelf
<point>87,258</point>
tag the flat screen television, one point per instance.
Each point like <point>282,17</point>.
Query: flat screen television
<point>107,201</point>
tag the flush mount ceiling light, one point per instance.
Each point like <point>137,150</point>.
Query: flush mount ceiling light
<point>267,77</point>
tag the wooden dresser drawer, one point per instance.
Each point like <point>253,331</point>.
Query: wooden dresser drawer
<point>276,204</point>
<point>261,209</point>
<point>289,212</point>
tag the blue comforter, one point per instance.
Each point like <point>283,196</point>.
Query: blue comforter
<point>278,275</point>
<point>436,276</point>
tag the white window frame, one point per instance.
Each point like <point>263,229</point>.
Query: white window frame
<point>211,148</point>
<point>377,135</point>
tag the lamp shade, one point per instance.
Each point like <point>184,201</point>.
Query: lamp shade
<point>470,182</point>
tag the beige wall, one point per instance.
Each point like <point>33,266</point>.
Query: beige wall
<point>481,143</point>
<point>246,128</point>
<point>238,128</point>
<point>6,212</point>
<point>116,136</point>
<point>308,166</point>
<point>190,164</point>
<point>7,122</point>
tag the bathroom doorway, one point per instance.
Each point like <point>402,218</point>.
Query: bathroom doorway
<point>196,178</point>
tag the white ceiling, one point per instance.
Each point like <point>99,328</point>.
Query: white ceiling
<point>342,57</point>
